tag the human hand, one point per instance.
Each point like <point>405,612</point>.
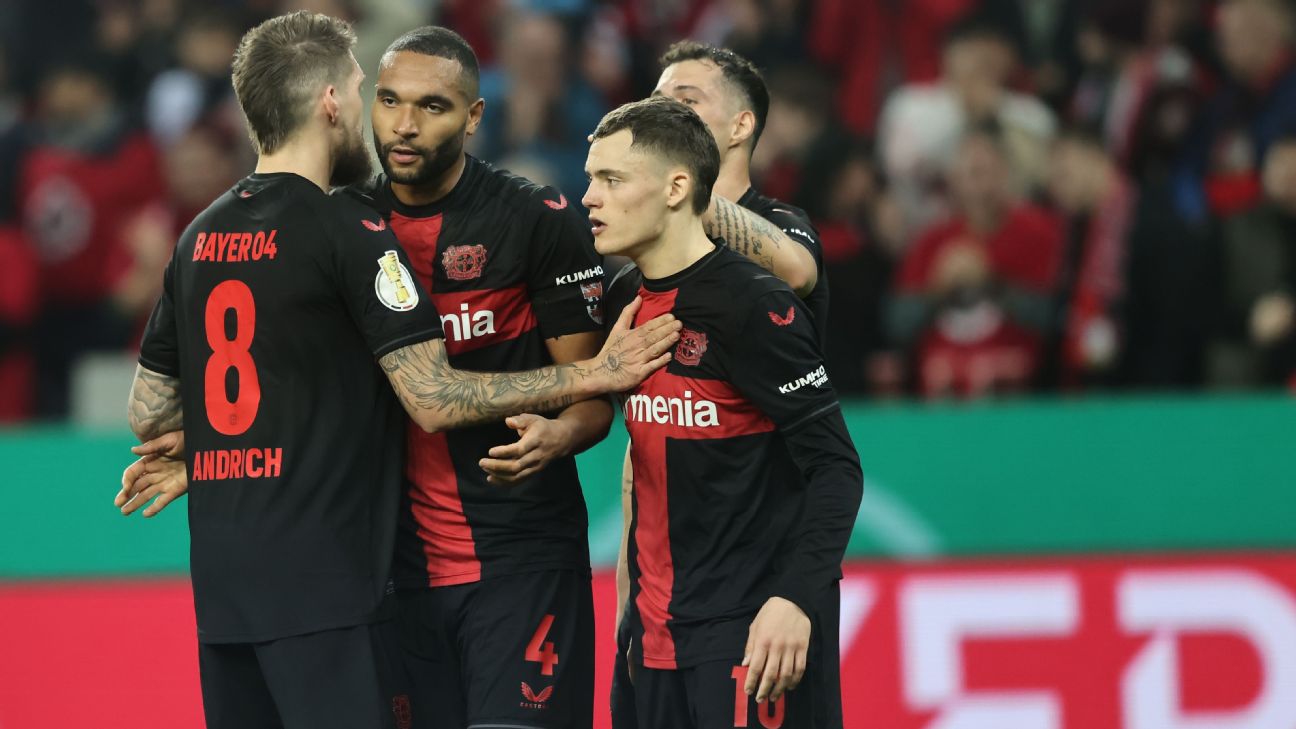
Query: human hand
<point>540,441</point>
<point>777,643</point>
<point>630,355</point>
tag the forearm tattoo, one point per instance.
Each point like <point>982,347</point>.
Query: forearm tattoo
<point>155,406</point>
<point>428,382</point>
<point>745,232</point>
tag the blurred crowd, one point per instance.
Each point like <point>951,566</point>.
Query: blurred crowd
<point>1014,196</point>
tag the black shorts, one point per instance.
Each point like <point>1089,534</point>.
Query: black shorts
<point>515,651</point>
<point>711,695</point>
<point>622,701</point>
<point>349,678</point>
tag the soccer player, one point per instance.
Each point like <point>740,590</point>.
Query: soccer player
<point>492,564</point>
<point>729,94</point>
<point>746,484</point>
<point>275,306</point>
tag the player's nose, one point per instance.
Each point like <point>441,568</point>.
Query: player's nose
<point>404,124</point>
<point>590,199</point>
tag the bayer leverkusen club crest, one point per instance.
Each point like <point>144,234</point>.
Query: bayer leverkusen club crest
<point>692,345</point>
<point>394,285</point>
<point>463,263</point>
<point>593,293</point>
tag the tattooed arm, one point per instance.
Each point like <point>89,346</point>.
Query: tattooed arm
<point>755,237</point>
<point>154,406</point>
<point>439,397</point>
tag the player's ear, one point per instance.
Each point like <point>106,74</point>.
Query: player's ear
<point>475,115</point>
<point>743,127</point>
<point>330,103</point>
<point>680,189</point>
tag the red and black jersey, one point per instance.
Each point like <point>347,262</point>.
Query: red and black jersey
<point>509,264</point>
<point>275,306</point>
<point>746,484</point>
<point>796,225</point>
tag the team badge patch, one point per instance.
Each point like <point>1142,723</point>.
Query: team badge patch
<point>692,345</point>
<point>593,293</point>
<point>463,263</point>
<point>394,285</point>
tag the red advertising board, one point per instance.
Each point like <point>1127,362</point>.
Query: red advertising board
<point>1203,642</point>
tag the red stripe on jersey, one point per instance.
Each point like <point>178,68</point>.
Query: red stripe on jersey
<point>475,319</point>
<point>652,526</point>
<point>671,406</point>
<point>438,510</point>
<point>419,236</point>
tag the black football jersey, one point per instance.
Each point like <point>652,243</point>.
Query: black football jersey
<point>718,497</point>
<point>796,225</point>
<point>509,264</point>
<point>276,304</point>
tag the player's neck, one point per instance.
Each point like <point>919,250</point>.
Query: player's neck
<point>735,176</point>
<point>682,243</point>
<point>426,194</point>
<point>307,156</point>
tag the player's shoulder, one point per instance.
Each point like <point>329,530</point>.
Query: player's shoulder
<point>619,289</point>
<point>734,282</point>
<point>520,194</point>
<point>370,194</point>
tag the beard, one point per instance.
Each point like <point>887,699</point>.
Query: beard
<point>352,164</point>
<point>435,163</point>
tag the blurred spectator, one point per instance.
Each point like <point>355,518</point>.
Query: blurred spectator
<point>1044,33</point>
<point>19,299</point>
<point>874,42</point>
<point>922,124</point>
<point>1257,103</point>
<point>1099,201</point>
<point>536,107</point>
<point>974,294</point>
<point>84,177</point>
<point>1252,342</point>
<point>200,86</point>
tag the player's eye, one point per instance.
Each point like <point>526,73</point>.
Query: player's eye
<point>434,108</point>
<point>388,101</point>
<point>688,101</point>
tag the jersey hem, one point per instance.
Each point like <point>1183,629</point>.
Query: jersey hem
<point>491,573</point>
<point>161,370</point>
<point>417,338</point>
<point>376,616</point>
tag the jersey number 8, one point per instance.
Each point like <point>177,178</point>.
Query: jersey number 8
<point>226,417</point>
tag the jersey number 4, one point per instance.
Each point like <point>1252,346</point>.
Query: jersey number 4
<point>541,651</point>
<point>226,416</point>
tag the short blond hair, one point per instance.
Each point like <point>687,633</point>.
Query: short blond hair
<point>280,68</point>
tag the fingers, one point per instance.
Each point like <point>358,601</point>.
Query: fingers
<point>160,503</point>
<point>139,499</point>
<point>755,663</point>
<point>768,676</point>
<point>162,444</point>
<point>799,666</point>
<point>787,669</point>
<point>522,421</point>
<point>509,452</point>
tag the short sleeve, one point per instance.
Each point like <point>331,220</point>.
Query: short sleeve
<point>797,227</point>
<point>388,305</point>
<point>565,275</point>
<point>778,365</point>
<point>160,348</point>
